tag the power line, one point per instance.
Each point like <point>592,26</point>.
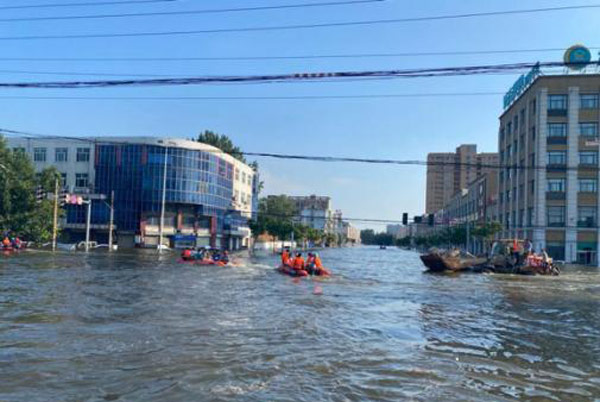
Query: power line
<point>228,98</point>
<point>303,26</point>
<point>334,159</point>
<point>191,12</point>
<point>294,77</point>
<point>293,57</point>
<point>96,3</point>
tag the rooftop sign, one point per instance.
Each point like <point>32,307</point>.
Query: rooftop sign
<point>577,57</point>
<point>521,85</point>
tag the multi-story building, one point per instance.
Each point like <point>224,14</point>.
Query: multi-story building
<point>449,172</point>
<point>394,230</point>
<point>548,140</point>
<point>207,199</point>
<point>315,211</point>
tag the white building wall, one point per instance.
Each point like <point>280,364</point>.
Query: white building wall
<point>71,167</point>
<point>572,164</point>
<point>539,233</point>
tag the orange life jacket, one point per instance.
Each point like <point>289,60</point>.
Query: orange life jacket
<point>318,263</point>
<point>298,263</point>
<point>285,256</point>
<point>6,242</point>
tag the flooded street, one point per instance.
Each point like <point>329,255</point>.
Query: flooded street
<point>129,327</point>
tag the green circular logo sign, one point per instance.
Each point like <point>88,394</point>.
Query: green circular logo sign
<point>577,57</point>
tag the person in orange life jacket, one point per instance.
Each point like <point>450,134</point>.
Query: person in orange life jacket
<point>6,242</point>
<point>285,256</point>
<point>298,263</point>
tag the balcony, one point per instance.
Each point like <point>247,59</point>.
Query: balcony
<point>556,140</point>
<point>556,167</point>
<point>557,112</point>
<point>555,195</point>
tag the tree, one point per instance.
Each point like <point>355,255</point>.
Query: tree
<point>19,211</point>
<point>275,217</point>
<point>222,142</point>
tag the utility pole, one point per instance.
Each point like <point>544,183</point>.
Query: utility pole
<point>55,218</point>
<point>87,225</point>
<point>468,233</point>
<point>164,198</point>
<point>110,224</point>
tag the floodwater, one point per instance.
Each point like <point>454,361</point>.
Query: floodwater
<point>97,327</point>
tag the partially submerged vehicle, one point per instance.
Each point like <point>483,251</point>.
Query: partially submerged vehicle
<point>502,259</point>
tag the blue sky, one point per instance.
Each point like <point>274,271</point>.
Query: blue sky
<point>406,128</point>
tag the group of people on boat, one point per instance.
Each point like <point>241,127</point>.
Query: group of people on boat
<point>207,256</point>
<point>524,255</point>
<point>10,242</point>
<point>296,264</point>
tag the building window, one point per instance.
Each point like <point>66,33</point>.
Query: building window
<point>557,102</point>
<point>557,130</point>
<point>61,154</point>
<point>556,250</point>
<point>63,180</point>
<point>530,217</point>
<point>81,180</point>
<point>39,154</point>
<point>237,174</point>
<point>533,106</point>
<point>589,101</point>
<point>244,177</point>
<point>586,217</point>
<point>588,185</point>
<point>556,185</point>
<point>532,186</point>
<point>83,154</point>
<point>556,216</point>
<point>588,129</point>
<point>557,158</point>
<point>588,158</point>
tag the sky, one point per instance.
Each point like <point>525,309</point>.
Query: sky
<point>391,128</point>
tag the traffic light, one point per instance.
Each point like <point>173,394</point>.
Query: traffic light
<point>405,219</point>
<point>431,219</point>
<point>418,219</point>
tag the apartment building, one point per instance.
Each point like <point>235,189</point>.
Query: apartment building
<point>449,172</point>
<point>548,192</point>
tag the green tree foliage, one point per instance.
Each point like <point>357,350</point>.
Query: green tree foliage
<point>19,211</point>
<point>222,142</point>
<point>276,217</point>
<point>369,237</point>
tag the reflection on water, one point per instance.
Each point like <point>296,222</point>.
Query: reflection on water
<point>129,327</point>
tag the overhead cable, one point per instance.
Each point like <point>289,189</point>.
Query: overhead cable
<point>282,57</point>
<point>190,12</point>
<point>334,159</point>
<point>89,4</point>
<point>301,26</point>
<point>233,98</point>
<point>292,77</point>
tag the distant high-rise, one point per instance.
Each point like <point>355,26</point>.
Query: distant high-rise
<point>449,172</point>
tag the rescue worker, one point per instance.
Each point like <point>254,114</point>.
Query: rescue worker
<point>16,243</point>
<point>310,263</point>
<point>225,257</point>
<point>285,256</point>
<point>6,242</point>
<point>186,254</point>
<point>298,263</point>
